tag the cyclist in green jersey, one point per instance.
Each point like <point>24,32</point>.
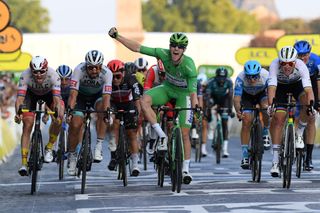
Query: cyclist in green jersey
<point>180,84</point>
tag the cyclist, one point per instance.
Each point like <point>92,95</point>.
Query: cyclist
<point>250,90</point>
<point>38,82</point>
<point>180,84</point>
<point>125,96</point>
<point>91,83</point>
<point>202,81</point>
<point>287,74</point>
<point>65,73</point>
<point>220,92</point>
<point>313,63</point>
<point>154,77</point>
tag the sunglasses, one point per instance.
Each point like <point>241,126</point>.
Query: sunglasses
<point>141,70</point>
<point>303,55</point>
<point>252,77</point>
<point>291,63</point>
<point>41,72</point>
<point>180,46</point>
<point>117,76</point>
<point>92,67</point>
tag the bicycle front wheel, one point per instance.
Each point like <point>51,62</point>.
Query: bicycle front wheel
<point>178,158</point>
<point>198,144</point>
<point>217,141</point>
<point>122,173</point>
<point>34,155</point>
<point>288,159</point>
<point>144,145</point>
<point>257,152</point>
<point>61,152</point>
<point>84,158</point>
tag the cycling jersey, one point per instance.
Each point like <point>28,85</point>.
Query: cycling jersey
<point>51,83</point>
<point>152,78</point>
<point>300,72</point>
<point>88,86</point>
<point>313,64</point>
<point>214,89</point>
<point>182,77</point>
<point>243,85</point>
<point>127,91</point>
<point>180,82</point>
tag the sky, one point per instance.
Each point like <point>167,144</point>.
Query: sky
<point>97,16</point>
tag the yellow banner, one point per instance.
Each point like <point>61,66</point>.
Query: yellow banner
<point>18,65</point>
<point>10,56</point>
<point>290,40</point>
<point>262,54</point>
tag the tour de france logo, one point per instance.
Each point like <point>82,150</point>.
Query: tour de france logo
<point>11,57</point>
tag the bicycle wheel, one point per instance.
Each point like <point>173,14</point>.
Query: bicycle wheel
<point>289,140</point>
<point>299,159</point>
<point>218,142</point>
<point>34,155</point>
<point>61,152</point>
<point>122,172</point>
<point>160,167</point>
<point>258,152</point>
<point>198,144</point>
<point>144,145</point>
<point>178,158</point>
<point>84,158</point>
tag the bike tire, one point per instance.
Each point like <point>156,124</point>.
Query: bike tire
<point>35,152</point>
<point>258,150</point>
<point>61,152</point>
<point>144,145</point>
<point>289,156</point>
<point>122,157</point>
<point>299,163</point>
<point>84,158</point>
<point>171,155</point>
<point>178,158</point>
<point>160,168</point>
<point>198,144</point>
<point>218,141</point>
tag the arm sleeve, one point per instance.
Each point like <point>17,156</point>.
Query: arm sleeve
<point>149,51</point>
<point>56,84</point>
<point>22,86</point>
<point>273,70</point>
<point>107,86</point>
<point>149,79</point>
<point>305,75</point>
<point>238,87</point>
<point>134,87</point>
<point>192,78</point>
<point>75,79</point>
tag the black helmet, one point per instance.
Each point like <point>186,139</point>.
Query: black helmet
<point>221,72</point>
<point>130,68</point>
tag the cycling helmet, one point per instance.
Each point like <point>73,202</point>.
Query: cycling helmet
<point>252,67</point>
<point>221,72</point>
<point>288,54</point>
<point>64,71</point>
<point>141,64</point>
<point>202,78</point>
<point>302,47</point>
<point>38,63</point>
<point>94,57</point>
<point>130,67</point>
<point>179,38</point>
<point>115,65</point>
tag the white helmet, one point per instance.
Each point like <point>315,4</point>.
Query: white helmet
<point>38,63</point>
<point>141,63</point>
<point>202,78</point>
<point>94,57</point>
<point>288,54</point>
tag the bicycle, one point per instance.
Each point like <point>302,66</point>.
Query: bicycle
<point>144,143</point>
<point>218,139</point>
<point>256,143</point>
<point>122,151</point>
<point>176,150</point>
<point>288,152</point>
<point>198,142</point>
<point>85,158</point>
<point>36,154</point>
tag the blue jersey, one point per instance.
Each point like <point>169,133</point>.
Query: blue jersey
<point>242,84</point>
<point>313,64</point>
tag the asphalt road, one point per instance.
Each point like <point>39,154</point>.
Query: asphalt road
<point>215,188</point>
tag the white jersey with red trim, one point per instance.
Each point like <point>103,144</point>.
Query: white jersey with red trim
<point>50,83</point>
<point>300,72</point>
<point>82,82</point>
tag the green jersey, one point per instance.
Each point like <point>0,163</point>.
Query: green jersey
<point>182,77</point>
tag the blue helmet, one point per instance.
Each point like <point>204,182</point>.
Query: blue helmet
<point>302,47</point>
<point>64,71</point>
<point>252,67</point>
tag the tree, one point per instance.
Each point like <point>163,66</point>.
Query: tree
<point>315,26</point>
<point>29,16</point>
<point>292,26</point>
<point>196,16</point>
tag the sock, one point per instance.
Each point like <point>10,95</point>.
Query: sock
<point>134,158</point>
<point>245,153</point>
<point>275,148</point>
<point>52,140</point>
<point>300,128</point>
<point>159,131</point>
<point>24,156</point>
<point>186,164</point>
